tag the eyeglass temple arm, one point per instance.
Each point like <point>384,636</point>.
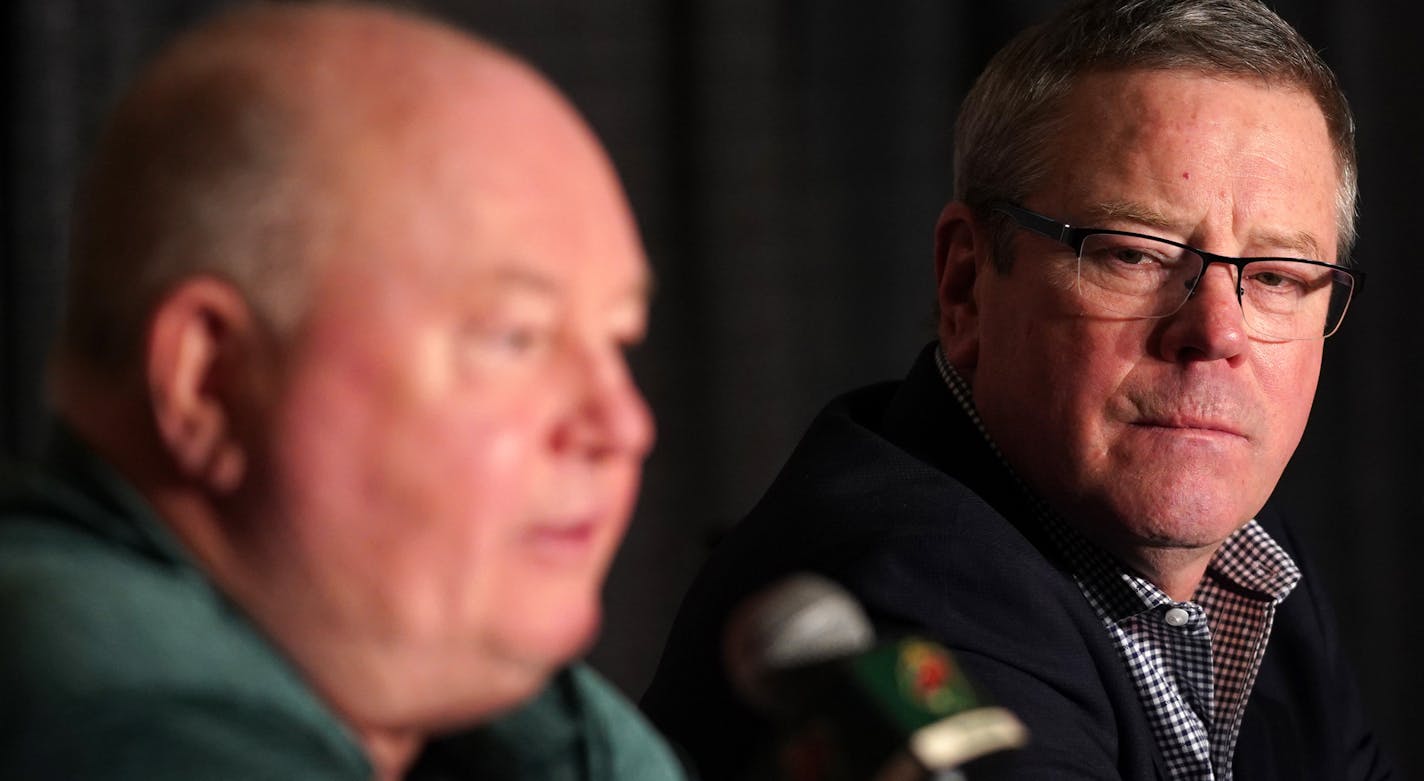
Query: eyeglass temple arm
<point>1044,226</point>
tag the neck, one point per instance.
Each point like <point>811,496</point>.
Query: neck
<point>249,583</point>
<point>111,417</point>
<point>1177,571</point>
<point>108,413</point>
<point>391,752</point>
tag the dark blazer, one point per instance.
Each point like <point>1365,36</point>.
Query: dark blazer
<point>894,493</point>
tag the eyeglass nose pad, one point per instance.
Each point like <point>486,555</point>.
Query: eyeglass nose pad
<point>1192,284</point>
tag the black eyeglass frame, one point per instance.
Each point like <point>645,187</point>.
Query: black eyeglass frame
<point>1073,237</point>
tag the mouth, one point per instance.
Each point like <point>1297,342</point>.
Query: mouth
<point>1196,426</point>
<point>565,540</point>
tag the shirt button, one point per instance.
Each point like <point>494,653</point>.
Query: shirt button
<point>1177,617</point>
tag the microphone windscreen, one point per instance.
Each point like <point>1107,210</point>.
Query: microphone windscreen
<point>803,652</point>
<point>800,621</point>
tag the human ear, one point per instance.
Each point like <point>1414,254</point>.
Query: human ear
<point>961,252</point>
<point>201,340</point>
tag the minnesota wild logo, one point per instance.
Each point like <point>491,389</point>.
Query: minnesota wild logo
<point>928,676</point>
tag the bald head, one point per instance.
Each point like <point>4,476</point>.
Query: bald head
<point>228,156</point>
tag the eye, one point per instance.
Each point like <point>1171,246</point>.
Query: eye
<point>1114,252</point>
<point>505,340</point>
<point>1286,279</point>
<point>1270,279</point>
<point>517,340</point>
<point>1133,256</point>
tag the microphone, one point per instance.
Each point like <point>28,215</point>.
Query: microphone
<point>803,652</point>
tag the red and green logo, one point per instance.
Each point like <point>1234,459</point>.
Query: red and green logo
<point>928,676</point>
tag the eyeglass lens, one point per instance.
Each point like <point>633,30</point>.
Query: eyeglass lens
<point>1139,276</point>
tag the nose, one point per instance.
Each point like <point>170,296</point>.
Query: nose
<point>610,418</point>
<point>1210,326</point>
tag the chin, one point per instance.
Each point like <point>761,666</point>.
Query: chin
<point>1196,525</point>
<point>556,635</point>
<point>515,674</point>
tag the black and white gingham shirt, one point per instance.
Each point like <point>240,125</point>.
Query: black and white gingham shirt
<point>1193,663</point>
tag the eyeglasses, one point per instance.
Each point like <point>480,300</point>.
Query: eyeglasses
<point>1142,276</point>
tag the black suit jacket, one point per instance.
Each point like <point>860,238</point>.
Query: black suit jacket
<point>894,493</point>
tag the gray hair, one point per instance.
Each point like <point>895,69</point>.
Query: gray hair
<point>1003,137</point>
<point>193,174</point>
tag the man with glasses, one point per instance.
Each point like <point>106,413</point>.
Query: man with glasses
<point>1149,242</point>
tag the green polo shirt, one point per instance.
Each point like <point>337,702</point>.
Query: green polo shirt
<point>119,659</point>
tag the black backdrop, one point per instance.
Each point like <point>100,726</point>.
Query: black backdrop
<point>786,161</point>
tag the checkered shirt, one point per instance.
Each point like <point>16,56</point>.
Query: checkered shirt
<point>1193,663</point>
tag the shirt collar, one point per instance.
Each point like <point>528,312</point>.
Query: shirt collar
<point>75,485</point>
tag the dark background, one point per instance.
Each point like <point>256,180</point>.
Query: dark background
<point>786,160</point>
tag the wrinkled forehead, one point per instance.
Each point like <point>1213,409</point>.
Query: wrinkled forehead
<point>1230,127</point>
<point>1124,98</point>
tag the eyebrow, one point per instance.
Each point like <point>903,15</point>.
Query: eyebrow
<point>512,275</point>
<point>519,276</point>
<point>1131,212</point>
<point>1299,242</point>
<point>1290,241</point>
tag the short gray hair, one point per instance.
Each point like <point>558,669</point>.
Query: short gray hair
<point>193,174</point>
<point>205,167</point>
<point>1006,124</point>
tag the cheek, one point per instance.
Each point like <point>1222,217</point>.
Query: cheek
<point>407,514</point>
<point>1288,375</point>
<point>463,469</point>
<point>402,471</point>
<point>1058,398</point>
<point>1284,368</point>
<point>1064,364</point>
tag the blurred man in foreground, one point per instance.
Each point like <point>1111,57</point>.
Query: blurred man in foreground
<point>1149,243</point>
<point>348,438</point>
